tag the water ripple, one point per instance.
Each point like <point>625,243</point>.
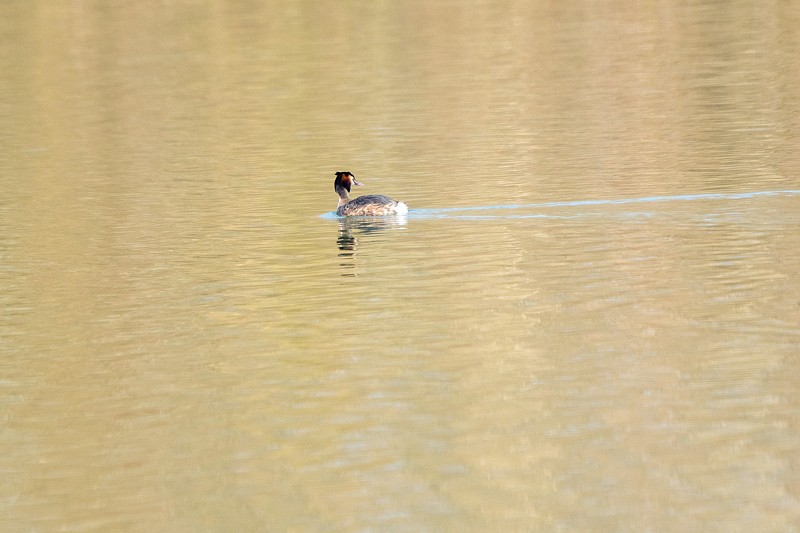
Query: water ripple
<point>446,212</point>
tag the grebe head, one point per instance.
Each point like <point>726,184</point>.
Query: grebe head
<point>344,180</point>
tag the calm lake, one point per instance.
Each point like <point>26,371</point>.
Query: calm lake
<point>588,321</point>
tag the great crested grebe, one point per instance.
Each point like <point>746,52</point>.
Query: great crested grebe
<point>371,205</point>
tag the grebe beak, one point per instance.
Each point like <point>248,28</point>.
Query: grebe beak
<point>353,179</point>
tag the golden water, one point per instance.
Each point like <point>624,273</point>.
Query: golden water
<point>588,321</point>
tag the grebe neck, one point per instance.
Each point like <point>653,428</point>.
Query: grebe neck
<point>343,196</point>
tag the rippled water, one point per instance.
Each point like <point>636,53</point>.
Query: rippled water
<point>588,321</point>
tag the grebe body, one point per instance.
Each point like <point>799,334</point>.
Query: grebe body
<point>371,205</point>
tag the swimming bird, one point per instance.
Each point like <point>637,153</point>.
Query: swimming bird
<point>371,205</point>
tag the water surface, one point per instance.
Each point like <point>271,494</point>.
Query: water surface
<point>587,321</point>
